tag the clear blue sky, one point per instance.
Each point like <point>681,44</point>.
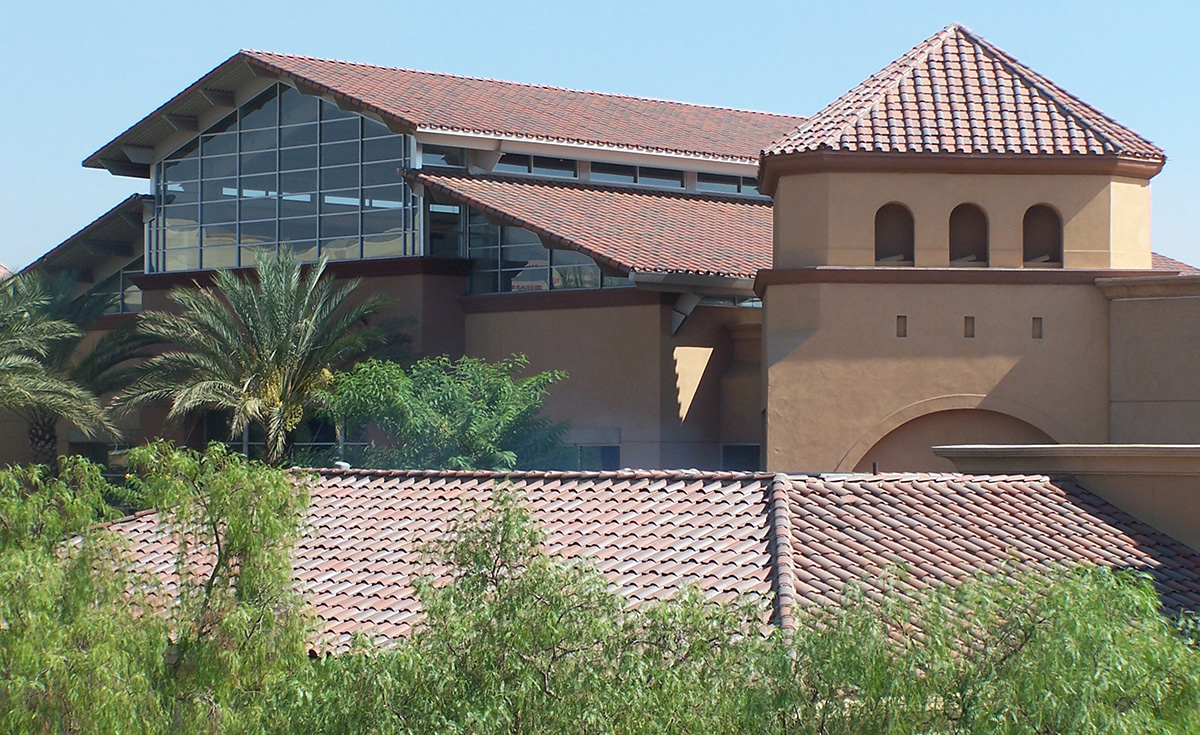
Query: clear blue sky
<point>79,73</point>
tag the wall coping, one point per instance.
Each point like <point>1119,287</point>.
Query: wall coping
<point>1150,287</point>
<point>1079,460</point>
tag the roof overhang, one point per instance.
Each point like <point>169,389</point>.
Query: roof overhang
<point>207,100</point>
<point>822,161</point>
<point>116,234</point>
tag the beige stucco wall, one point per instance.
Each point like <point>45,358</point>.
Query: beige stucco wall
<point>906,448</point>
<point>629,377</point>
<point>1155,363</point>
<point>838,379</point>
<point>829,218</point>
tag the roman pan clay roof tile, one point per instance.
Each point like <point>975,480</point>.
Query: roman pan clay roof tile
<point>956,93</point>
<point>624,228</point>
<point>791,540</point>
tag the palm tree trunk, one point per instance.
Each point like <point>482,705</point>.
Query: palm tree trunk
<point>43,441</point>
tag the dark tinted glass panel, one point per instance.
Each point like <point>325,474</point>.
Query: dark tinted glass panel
<point>339,225</point>
<point>445,228</point>
<point>512,163</point>
<point>342,248</point>
<point>295,205</point>
<point>660,177</point>
<point>219,166</point>
<point>485,258</point>
<point>298,135</point>
<point>212,236</point>
<point>250,254</point>
<point>259,186</point>
<point>291,159</point>
<point>181,260</point>
<point>437,155</point>
<point>526,279</point>
<point>184,170</point>
<point>717,183</point>
<point>219,257</point>
<point>252,232</point>
<point>382,173</point>
<point>384,197</point>
<point>519,236</point>
<point>383,149</point>
<point>739,456</point>
<point>519,256</point>
<point>257,163</point>
<point>257,208</point>
<point>342,177</point>
<point>613,174</point>
<point>575,276</point>
<point>615,281</point>
<point>179,215</point>
<point>389,245</point>
<point>297,108</point>
<point>556,167</point>
<point>227,123</point>
<point>220,145</point>
<point>293,230</point>
<point>218,189</point>
<point>373,129</point>
<point>259,140</point>
<point>331,112</point>
<point>339,154</point>
<point>261,112</point>
<point>220,211</point>
<point>293,181</point>
<point>750,186</point>
<point>383,220</point>
<point>339,202</point>
<point>305,252</point>
<point>181,193</point>
<point>570,257</point>
<point>339,130</point>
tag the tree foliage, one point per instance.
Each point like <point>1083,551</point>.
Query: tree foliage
<point>38,379</point>
<point>260,347</point>
<point>516,641</point>
<point>96,367</point>
<point>441,413</point>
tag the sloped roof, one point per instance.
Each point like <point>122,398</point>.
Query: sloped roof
<point>623,228</point>
<point>795,539</point>
<point>1160,262</point>
<point>419,100</point>
<point>116,233</point>
<point>956,93</point>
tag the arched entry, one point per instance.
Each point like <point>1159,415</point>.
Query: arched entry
<point>906,448</point>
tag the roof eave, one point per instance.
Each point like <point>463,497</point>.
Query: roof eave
<point>775,165</point>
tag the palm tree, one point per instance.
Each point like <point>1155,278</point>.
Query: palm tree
<point>36,348</point>
<point>260,347</point>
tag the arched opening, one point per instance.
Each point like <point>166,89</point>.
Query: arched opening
<point>893,235</point>
<point>968,236</point>
<point>907,447</point>
<point>1043,237</point>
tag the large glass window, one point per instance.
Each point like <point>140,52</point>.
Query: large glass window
<point>285,171</point>
<point>127,297</point>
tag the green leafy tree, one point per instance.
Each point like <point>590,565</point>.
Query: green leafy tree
<point>99,366</point>
<point>259,347</point>
<point>441,413</point>
<point>36,343</point>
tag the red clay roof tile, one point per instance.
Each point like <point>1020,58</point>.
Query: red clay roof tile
<point>957,93</point>
<point>626,229</point>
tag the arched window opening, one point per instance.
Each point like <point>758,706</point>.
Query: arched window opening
<point>1043,237</point>
<point>968,236</point>
<point>893,235</point>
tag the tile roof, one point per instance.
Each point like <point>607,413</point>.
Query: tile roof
<point>1163,263</point>
<point>626,229</point>
<point>794,539</point>
<point>957,93</point>
<point>430,101</point>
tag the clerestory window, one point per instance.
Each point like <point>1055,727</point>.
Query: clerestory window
<point>284,171</point>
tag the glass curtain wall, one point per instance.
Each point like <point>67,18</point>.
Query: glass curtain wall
<point>285,171</point>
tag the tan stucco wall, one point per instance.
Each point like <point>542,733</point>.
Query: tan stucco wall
<point>661,394</point>
<point>829,218</point>
<point>1155,359</point>
<point>907,448</point>
<point>838,379</point>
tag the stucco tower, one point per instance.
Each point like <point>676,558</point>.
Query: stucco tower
<point>938,234</point>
